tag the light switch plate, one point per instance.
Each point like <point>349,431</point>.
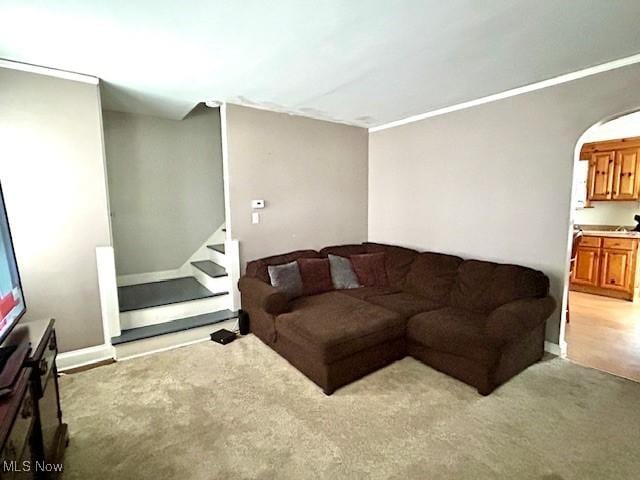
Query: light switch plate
<point>257,204</point>
<point>255,217</point>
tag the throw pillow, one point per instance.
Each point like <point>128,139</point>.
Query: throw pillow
<point>370,269</point>
<point>316,275</point>
<point>286,278</point>
<point>342,274</point>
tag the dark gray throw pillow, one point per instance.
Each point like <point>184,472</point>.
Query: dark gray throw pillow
<point>286,278</point>
<point>342,274</point>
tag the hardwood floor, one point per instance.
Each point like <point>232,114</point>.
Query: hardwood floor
<point>604,333</point>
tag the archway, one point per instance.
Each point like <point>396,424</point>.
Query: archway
<point>603,284</point>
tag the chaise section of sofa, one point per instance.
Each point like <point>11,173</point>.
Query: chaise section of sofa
<point>479,322</point>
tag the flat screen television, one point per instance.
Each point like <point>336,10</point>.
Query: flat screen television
<point>12,304</point>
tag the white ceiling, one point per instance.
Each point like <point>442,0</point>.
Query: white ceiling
<point>364,62</point>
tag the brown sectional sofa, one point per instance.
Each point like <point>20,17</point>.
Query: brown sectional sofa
<point>480,322</point>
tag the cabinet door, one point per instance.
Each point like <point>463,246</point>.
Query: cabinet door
<point>616,270</point>
<point>625,176</point>
<point>585,271</point>
<point>601,170</point>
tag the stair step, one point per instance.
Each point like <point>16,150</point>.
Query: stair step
<point>219,247</point>
<point>165,292</point>
<point>210,268</point>
<point>179,325</point>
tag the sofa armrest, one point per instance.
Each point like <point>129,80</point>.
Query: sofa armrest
<point>258,294</point>
<point>515,319</point>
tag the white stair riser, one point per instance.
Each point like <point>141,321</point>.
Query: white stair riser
<point>217,257</point>
<point>175,311</point>
<point>214,285</point>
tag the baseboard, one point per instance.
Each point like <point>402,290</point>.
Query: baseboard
<point>556,349</point>
<point>84,356</point>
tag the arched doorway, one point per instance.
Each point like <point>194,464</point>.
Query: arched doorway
<point>601,324</point>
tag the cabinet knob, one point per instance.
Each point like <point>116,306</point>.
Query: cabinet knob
<point>612,281</point>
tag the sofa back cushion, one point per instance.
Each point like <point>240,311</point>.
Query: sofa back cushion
<point>344,250</point>
<point>484,286</point>
<point>370,269</point>
<point>287,279</point>
<point>398,261</point>
<point>342,274</point>
<point>258,268</point>
<point>316,275</point>
<point>433,275</point>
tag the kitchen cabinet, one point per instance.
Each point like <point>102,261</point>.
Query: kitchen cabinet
<point>626,175</point>
<point>615,270</point>
<point>601,170</point>
<point>585,271</point>
<point>606,266</point>
<point>614,169</point>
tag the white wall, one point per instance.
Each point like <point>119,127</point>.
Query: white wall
<point>622,127</point>
<point>165,185</point>
<point>608,213</point>
<point>311,173</point>
<point>52,172</point>
<point>493,181</point>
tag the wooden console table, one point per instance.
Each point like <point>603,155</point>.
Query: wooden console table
<point>33,436</point>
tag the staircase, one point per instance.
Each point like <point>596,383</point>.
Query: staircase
<point>179,309</point>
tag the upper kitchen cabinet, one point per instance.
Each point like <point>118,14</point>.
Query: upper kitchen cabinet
<point>601,170</point>
<point>625,175</point>
<point>614,169</point>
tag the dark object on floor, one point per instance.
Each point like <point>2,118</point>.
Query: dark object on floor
<point>223,336</point>
<point>243,322</point>
<point>480,322</point>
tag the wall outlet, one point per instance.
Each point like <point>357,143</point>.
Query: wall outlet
<point>255,217</point>
<point>257,204</point>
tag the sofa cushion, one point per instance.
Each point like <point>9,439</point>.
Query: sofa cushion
<point>342,274</point>
<point>370,269</point>
<point>432,275</point>
<point>332,326</point>
<point>363,293</point>
<point>397,262</point>
<point>316,275</point>
<point>286,279</point>
<point>406,304</point>
<point>258,268</point>
<point>484,286</point>
<point>344,250</point>
<point>453,330</point>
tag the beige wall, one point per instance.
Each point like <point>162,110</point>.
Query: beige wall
<point>493,181</point>
<point>165,186</point>
<point>52,172</point>
<point>312,174</point>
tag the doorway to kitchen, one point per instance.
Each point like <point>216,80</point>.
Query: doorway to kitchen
<point>602,327</point>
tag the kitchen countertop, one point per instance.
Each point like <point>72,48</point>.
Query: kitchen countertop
<point>605,233</point>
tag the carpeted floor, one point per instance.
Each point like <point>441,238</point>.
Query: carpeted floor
<point>241,411</point>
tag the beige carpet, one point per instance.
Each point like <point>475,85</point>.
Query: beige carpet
<point>241,411</point>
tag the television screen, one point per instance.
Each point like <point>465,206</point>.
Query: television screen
<point>12,305</point>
